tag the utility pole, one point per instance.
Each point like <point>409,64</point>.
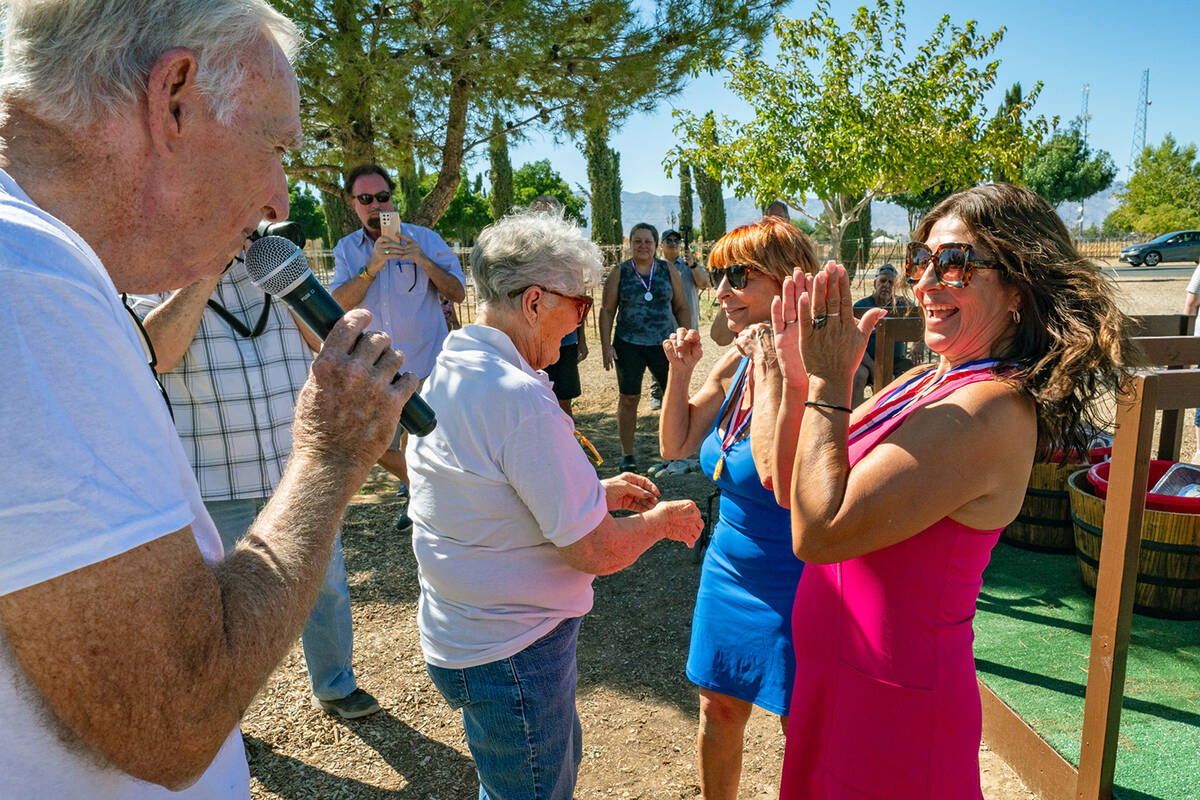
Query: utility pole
<point>1084,116</point>
<point>1139,121</point>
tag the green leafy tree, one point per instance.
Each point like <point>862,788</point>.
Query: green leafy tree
<point>538,178</point>
<point>1162,195</point>
<point>306,210</point>
<point>603,178</point>
<point>406,84</point>
<point>917,204</point>
<point>502,171</point>
<point>1006,122</point>
<point>855,112</point>
<point>1065,168</point>
<point>855,251</point>
<point>467,214</point>
<point>686,208</point>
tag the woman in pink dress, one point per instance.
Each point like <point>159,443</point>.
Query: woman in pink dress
<point>902,499</point>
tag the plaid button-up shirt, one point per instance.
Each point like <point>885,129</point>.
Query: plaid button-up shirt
<point>234,397</point>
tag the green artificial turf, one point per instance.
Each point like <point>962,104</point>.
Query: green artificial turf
<point>1032,643</point>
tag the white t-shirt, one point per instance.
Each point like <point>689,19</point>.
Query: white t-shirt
<point>1193,287</point>
<point>90,468</point>
<point>497,488</point>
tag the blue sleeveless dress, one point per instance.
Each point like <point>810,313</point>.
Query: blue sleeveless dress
<point>741,629</point>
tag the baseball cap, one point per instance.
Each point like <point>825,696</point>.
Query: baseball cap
<point>887,269</point>
<point>671,233</point>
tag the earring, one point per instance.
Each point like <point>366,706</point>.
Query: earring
<point>1016,316</point>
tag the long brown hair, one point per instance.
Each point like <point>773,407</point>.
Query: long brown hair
<point>1072,344</point>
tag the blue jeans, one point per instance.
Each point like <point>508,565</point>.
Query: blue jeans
<point>328,636</point>
<point>520,719</point>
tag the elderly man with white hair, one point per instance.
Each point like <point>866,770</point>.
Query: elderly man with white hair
<point>141,144</point>
<point>511,522</point>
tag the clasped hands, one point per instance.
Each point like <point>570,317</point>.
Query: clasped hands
<point>816,334</point>
<point>387,248</point>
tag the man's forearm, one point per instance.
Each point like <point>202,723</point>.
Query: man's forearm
<point>351,293</point>
<point>172,325</point>
<point>447,284</point>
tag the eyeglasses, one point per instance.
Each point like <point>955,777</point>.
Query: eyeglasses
<point>583,303</point>
<point>379,197</point>
<point>953,263</point>
<point>737,274</point>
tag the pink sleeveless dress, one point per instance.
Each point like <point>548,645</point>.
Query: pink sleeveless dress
<point>885,702</point>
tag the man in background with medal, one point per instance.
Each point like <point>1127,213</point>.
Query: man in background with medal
<point>232,364</point>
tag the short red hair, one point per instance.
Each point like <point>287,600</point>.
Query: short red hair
<point>771,245</point>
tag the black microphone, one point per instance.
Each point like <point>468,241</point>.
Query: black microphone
<point>277,266</point>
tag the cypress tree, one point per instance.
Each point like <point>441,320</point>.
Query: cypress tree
<point>685,198</point>
<point>502,172</point>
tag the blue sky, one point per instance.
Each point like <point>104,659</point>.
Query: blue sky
<point>1064,44</point>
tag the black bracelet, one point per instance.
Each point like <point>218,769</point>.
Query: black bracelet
<point>815,404</point>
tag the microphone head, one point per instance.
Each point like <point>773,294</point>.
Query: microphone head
<point>276,265</point>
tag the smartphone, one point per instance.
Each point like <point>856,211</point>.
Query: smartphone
<point>389,223</point>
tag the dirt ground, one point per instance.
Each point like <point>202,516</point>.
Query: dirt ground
<point>638,710</point>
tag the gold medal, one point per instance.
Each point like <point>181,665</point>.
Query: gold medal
<point>719,468</point>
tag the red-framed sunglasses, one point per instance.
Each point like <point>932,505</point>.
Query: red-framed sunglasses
<point>583,303</point>
<point>953,263</point>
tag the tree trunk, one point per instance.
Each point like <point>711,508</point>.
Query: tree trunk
<point>855,248</point>
<point>438,200</point>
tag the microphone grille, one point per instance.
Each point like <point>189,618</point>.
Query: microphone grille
<point>276,265</point>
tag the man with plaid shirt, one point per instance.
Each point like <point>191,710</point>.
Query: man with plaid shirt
<point>232,364</point>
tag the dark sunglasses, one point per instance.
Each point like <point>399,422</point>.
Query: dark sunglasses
<point>365,198</point>
<point>736,274</point>
<point>953,263</point>
<point>672,240</point>
<point>583,303</point>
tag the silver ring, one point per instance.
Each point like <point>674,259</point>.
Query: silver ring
<point>819,321</point>
<point>834,314</point>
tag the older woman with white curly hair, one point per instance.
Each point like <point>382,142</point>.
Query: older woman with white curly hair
<point>511,523</point>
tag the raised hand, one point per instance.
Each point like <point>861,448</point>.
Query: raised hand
<point>683,349</point>
<point>832,341</point>
<point>630,492</point>
<point>785,311</point>
<point>758,342</point>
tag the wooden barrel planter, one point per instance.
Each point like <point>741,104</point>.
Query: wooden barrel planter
<point>1044,523</point>
<point>1168,577</point>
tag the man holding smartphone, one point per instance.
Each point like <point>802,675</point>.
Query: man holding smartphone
<point>400,277</point>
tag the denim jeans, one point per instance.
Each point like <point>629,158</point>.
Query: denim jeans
<point>520,719</point>
<point>328,636</point>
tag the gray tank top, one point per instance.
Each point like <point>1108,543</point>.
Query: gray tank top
<point>642,321</point>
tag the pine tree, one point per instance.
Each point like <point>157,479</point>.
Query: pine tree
<point>605,185</point>
<point>712,205</point>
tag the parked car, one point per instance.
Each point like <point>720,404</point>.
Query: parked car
<point>1177,246</point>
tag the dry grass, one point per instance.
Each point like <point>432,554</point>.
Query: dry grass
<point>638,710</point>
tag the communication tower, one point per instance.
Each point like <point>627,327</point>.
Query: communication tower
<point>1084,116</point>
<point>1139,121</point>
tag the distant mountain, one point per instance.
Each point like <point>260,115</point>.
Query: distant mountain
<point>662,211</point>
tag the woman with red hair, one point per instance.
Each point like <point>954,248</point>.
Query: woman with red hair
<point>741,651</point>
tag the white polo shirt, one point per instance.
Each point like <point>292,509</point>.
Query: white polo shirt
<point>497,488</point>
<point>91,467</point>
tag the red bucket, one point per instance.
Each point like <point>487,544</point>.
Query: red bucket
<point>1098,478</point>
